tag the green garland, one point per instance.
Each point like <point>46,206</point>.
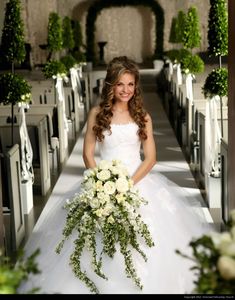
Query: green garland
<point>96,8</point>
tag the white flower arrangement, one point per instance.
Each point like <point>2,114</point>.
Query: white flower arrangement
<point>214,255</point>
<point>106,205</point>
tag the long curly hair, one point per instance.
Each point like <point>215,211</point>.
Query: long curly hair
<point>117,67</point>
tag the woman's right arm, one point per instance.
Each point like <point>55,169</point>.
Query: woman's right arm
<point>90,140</point>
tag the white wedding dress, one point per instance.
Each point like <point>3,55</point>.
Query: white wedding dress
<point>172,221</point>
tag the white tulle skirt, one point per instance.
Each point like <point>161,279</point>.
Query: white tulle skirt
<point>173,217</point>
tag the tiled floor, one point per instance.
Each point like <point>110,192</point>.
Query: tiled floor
<point>171,161</point>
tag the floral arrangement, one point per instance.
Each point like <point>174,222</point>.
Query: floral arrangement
<point>106,205</point>
<point>214,255</point>
<point>12,275</point>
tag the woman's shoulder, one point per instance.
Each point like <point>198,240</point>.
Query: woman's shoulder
<point>148,117</point>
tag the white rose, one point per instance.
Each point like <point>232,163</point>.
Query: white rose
<point>122,185</point>
<point>99,212</point>
<point>220,238</point>
<point>94,203</point>
<point>88,173</point>
<point>99,185</point>
<point>120,198</point>
<point>114,170</point>
<point>103,175</point>
<point>103,197</point>
<point>89,184</point>
<point>109,187</point>
<point>226,266</point>
<point>227,248</point>
<point>105,164</point>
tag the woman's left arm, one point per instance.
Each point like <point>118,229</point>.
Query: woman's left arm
<point>149,153</point>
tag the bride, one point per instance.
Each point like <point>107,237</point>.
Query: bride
<point>123,129</point>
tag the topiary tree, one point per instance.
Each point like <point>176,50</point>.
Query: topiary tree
<point>218,41</point>
<point>180,25</point>
<point>13,51</point>
<point>218,29</point>
<point>12,43</point>
<point>191,37</point>
<point>54,39</point>
<point>67,34</point>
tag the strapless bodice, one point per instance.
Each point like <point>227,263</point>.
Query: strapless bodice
<point>123,144</point>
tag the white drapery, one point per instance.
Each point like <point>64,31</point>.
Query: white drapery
<point>213,136</point>
<point>26,148</point>
<point>189,86</point>
<point>75,75</point>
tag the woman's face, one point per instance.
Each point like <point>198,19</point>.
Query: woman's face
<point>124,89</point>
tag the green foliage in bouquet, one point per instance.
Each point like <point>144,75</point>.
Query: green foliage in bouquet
<point>53,68</point>
<point>191,35</point>
<point>12,275</point>
<point>218,28</point>
<point>214,257</point>
<point>192,64</point>
<point>67,34</point>
<point>13,89</point>
<point>12,43</point>
<point>68,61</point>
<point>107,205</point>
<point>54,38</point>
<point>216,83</point>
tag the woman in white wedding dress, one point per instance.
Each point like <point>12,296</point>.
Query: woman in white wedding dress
<point>121,127</point>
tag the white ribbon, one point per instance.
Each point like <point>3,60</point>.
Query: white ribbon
<point>76,84</point>
<point>179,74</point>
<point>213,136</point>
<point>26,148</point>
<point>189,87</point>
<point>60,90</point>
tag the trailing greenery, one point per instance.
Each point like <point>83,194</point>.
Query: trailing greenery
<point>54,39</point>
<point>13,89</point>
<point>216,83</point>
<point>98,5</point>
<point>191,35</point>
<point>214,258</point>
<point>192,64</point>
<point>67,34</point>
<point>53,68</point>
<point>218,28</point>
<point>12,42</point>
<point>12,275</point>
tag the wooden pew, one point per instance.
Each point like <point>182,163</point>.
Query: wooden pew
<point>38,134</point>
<point>13,213</point>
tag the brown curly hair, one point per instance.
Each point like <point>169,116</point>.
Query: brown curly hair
<point>117,67</point>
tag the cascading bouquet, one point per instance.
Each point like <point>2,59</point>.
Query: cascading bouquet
<point>107,205</point>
